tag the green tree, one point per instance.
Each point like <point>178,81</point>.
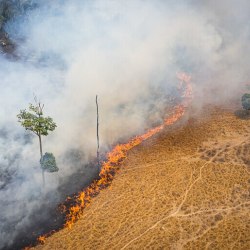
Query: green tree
<point>35,121</point>
<point>245,100</point>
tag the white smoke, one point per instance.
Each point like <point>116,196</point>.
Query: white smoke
<point>127,52</point>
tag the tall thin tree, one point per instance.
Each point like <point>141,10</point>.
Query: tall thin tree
<point>34,121</point>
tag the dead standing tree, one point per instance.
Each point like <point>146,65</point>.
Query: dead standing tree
<point>97,132</point>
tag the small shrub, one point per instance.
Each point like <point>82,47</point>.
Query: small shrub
<point>48,163</point>
<point>246,101</point>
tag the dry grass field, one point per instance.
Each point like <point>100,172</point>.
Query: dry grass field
<point>185,188</point>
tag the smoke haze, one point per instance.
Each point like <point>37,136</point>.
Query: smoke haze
<point>127,52</point>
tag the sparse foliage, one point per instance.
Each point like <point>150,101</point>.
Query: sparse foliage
<point>34,121</point>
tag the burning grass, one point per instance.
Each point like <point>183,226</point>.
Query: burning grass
<point>74,206</point>
<point>168,196</point>
<point>118,154</point>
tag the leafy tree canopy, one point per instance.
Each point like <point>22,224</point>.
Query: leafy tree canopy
<point>34,121</point>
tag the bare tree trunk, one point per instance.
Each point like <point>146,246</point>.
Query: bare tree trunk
<point>40,143</point>
<point>41,153</point>
<point>97,132</point>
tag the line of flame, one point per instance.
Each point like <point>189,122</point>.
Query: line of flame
<point>118,154</point>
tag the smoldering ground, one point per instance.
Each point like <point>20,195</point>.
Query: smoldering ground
<point>127,52</point>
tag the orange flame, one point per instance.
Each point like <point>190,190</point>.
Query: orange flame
<point>41,239</point>
<point>119,153</point>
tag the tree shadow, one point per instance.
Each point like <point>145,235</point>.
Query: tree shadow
<point>243,114</point>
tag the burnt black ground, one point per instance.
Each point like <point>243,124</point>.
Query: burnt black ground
<point>48,216</point>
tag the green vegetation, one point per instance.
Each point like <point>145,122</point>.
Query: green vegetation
<point>245,100</point>
<point>34,121</point>
<point>48,163</point>
<point>10,9</point>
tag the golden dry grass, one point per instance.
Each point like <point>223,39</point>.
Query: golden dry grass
<point>186,188</point>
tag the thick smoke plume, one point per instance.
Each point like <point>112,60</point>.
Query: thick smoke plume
<point>127,52</point>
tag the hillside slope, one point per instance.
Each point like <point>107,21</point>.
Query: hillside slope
<point>186,188</point>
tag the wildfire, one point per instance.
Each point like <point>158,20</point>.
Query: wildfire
<point>41,239</point>
<point>119,153</point>
<point>116,156</point>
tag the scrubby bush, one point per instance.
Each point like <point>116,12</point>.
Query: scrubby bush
<point>48,163</point>
<point>246,101</point>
